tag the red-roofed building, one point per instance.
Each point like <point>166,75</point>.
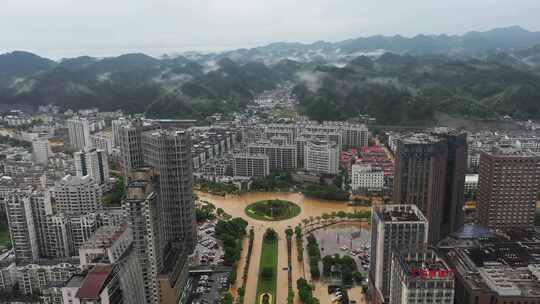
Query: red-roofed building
<point>100,286</point>
<point>374,158</point>
<point>109,256</point>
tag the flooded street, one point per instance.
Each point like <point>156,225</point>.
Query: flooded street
<point>235,205</point>
<point>332,238</point>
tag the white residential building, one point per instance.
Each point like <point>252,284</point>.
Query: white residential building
<point>77,195</point>
<point>22,226</point>
<point>94,163</point>
<point>116,129</point>
<point>41,150</point>
<point>79,133</point>
<point>365,177</point>
<point>103,141</point>
<point>322,157</point>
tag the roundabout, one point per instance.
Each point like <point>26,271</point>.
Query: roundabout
<point>310,209</point>
<point>272,210</point>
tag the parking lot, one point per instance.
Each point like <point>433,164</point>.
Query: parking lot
<point>208,249</point>
<point>206,288</point>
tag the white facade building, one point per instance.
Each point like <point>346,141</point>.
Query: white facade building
<point>22,226</point>
<point>76,195</point>
<point>471,183</point>
<point>116,129</point>
<point>365,177</point>
<point>322,157</point>
<point>94,163</point>
<point>41,150</point>
<point>79,133</point>
<point>103,141</point>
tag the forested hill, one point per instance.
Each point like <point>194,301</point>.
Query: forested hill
<point>408,90</point>
<point>395,88</point>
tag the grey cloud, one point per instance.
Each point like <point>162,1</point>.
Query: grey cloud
<point>59,28</point>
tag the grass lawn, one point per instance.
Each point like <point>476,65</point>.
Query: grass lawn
<point>4,236</point>
<point>269,258</point>
<point>261,210</point>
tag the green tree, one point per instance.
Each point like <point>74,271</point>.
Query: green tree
<point>289,232</point>
<point>227,298</point>
<point>270,235</point>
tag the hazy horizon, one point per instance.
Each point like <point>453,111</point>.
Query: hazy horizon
<point>61,28</point>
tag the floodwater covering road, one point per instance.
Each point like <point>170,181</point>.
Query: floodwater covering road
<point>235,205</point>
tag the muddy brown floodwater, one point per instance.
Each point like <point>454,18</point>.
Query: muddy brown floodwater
<point>235,205</point>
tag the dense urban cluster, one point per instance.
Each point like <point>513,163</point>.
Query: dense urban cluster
<point>99,207</point>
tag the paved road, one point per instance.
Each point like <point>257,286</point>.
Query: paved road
<point>235,205</point>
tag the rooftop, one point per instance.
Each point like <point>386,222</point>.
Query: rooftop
<point>94,282</point>
<point>75,281</point>
<point>105,236</point>
<point>507,264</point>
<point>399,213</point>
<point>424,263</point>
<point>513,151</point>
<point>420,138</point>
<point>508,253</point>
<point>164,132</point>
<point>471,178</point>
<point>76,180</point>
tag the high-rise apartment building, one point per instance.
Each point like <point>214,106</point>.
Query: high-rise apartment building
<point>79,133</point>
<point>58,236</point>
<point>169,153</point>
<point>116,129</point>
<point>27,211</point>
<point>41,150</point>
<point>251,165</point>
<point>420,276</point>
<point>392,227</point>
<point>509,182</point>
<point>345,135</point>
<point>286,131</point>
<point>103,141</point>
<point>142,215</point>
<point>94,163</point>
<point>40,201</point>
<point>322,157</point>
<point>430,173</point>
<point>81,229</point>
<point>354,135</point>
<point>22,227</point>
<point>77,195</point>
<point>281,157</point>
<point>351,135</point>
<point>129,139</point>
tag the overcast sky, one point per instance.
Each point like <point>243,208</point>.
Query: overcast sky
<point>67,28</point>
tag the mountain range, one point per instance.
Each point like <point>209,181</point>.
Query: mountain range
<point>396,79</point>
<point>471,44</point>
